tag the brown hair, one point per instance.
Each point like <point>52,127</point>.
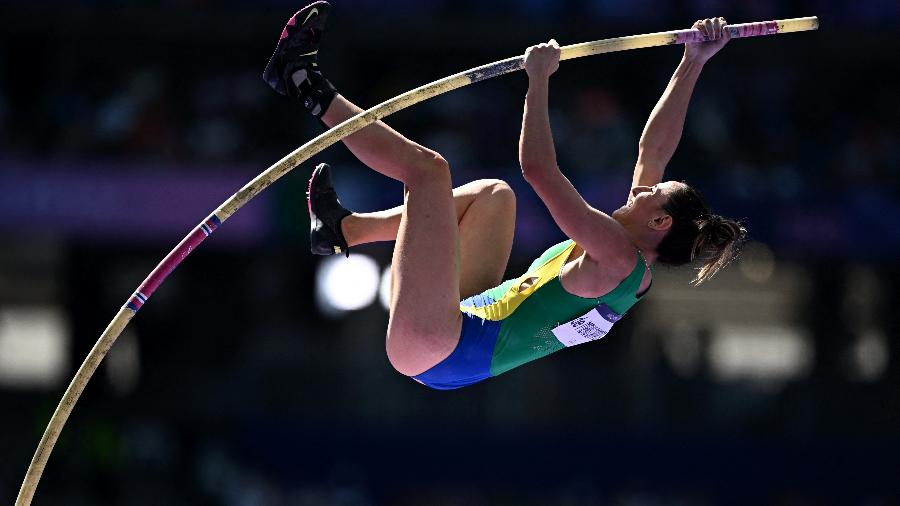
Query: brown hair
<point>697,233</point>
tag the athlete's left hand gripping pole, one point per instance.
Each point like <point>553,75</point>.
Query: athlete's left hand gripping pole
<point>303,153</point>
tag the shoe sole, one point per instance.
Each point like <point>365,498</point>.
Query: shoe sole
<point>314,220</point>
<point>276,81</point>
<point>312,179</point>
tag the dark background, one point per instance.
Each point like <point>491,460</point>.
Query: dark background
<point>123,124</point>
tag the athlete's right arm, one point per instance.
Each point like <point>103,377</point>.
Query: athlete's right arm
<point>662,133</point>
<point>596,232</point>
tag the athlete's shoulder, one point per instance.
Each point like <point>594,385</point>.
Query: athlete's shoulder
<point>618,256</point>
<point>595,276</point>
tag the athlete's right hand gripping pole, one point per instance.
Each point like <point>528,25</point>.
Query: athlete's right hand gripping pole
<point>687,36</point>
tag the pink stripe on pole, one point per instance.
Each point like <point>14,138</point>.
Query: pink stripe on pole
<point>175,257</point>
<point>689,36</point>
<point>736,31</point>
<point>754,29</point>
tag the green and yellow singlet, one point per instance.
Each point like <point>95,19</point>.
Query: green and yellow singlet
<point>508,325</point>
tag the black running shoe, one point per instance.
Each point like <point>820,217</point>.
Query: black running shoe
<point>325,214</point>
<point>293,69</point>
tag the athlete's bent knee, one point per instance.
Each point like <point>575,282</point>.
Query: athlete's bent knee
<point>431,168</point>
<point>502,189</point>
<point>498,191</point>
<point>437,163</point>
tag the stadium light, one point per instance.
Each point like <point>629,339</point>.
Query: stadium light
<point>34,346</point>
<point>384,291</point>
<point>765,354</point>
<point>346,284</point>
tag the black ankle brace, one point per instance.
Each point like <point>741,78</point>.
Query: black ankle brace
<point>313,89</point>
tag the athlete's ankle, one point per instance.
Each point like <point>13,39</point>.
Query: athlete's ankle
<point>316,92</point>
<point>348,229</point>
<point>334,114</point>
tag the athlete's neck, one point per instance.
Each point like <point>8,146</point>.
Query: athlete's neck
<point>644,239</point>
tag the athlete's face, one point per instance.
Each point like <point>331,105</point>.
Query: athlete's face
<point>645,202</point>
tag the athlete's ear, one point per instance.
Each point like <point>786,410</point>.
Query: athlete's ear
<point>660,222</point>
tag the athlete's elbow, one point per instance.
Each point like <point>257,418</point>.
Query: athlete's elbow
<point>530,176</point>
<point>535,173</point>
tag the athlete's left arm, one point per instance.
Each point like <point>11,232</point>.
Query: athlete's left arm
<point>596,232</point>
<point>662,132</point>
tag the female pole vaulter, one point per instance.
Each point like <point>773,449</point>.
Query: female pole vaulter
<point>453,244</point>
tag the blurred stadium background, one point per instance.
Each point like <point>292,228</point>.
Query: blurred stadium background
<point>253,377</point>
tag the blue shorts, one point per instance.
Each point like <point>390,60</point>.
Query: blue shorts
<point>470,361</point>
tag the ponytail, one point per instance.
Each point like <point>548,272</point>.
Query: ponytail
<point>697,233</point>
<point>718,243</point>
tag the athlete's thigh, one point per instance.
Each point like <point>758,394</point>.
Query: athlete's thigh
<point>425,320</point>
<point>486,229</point>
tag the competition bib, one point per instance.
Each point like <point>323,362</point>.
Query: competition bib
<point>590,327</point>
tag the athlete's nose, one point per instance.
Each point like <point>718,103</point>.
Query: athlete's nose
<point>637,190</point>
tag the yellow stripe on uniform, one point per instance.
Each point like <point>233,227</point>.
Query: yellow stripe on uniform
<point>513,298</point>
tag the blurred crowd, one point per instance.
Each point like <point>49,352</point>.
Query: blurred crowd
<point>800,123</point>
